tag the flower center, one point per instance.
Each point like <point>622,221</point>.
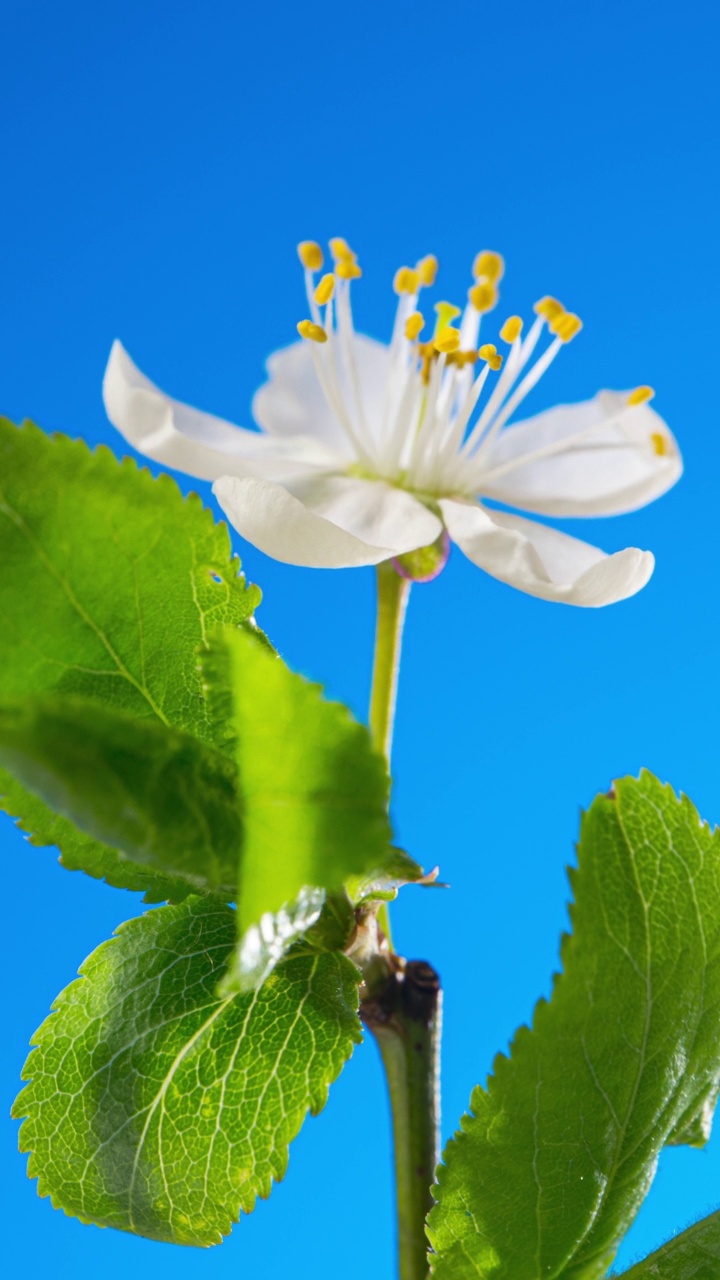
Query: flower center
<point>439,418</point>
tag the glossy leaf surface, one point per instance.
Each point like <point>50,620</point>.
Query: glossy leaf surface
<point>314,795</point>
<point>156,1106</point>
<point>128,577</point>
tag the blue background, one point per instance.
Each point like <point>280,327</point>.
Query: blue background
<point>159,162</point>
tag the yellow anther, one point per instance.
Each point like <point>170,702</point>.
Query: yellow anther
<point>325,289</point>
<point>511,329</point>
<point>566,326</point>
<point>489,353</point>
<point>640,395</point>
<point>445,313</point>
<point>347,269</point>
<point>427,353</point>
<point>461,358</point>
<point>549,308</point>
<point>483,296</point>
<point>340,250</point>
<point>489,266</point>
<point>406,280</point>
<point>414,325</point>
<point>427,269</point>
<point>659,443</point>
<point>310,254</point>
<point>448,339</point>
<point>313,332</point>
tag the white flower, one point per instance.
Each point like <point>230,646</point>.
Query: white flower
<point>369,452</point>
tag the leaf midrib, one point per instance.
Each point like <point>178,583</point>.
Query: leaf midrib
<point>159,1098</point>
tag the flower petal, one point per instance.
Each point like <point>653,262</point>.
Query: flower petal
<point>373,510</point>
<point>292,402</point>
<point>194,442</point>
<point>626,462</point>
<point>343,522</point>
<point>544,562</point>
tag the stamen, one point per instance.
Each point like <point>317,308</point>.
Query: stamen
<point>452,444</point>
<point>312,332</point>
<point>511,329</point>
<point>341,251</point>
<point>483,296</point>
<point>398,362</point>
<point>427,269</point>
<point>406,281</point>
<point>640,396</point>
<point>523,388</point>
<point>426,422</point>
<point>310,254</point>
<point>426,437</point>
<point>659,443</point>
<point>549,308</point>
<point>414,325</point>
<point>489,266</point>
<point>325,289</point>
<point>470,327</point>
<point>566,326</point>
<point>346,334</point>
<point>514,365</point>
<point>489,353</point>
<point>326,370</point>
<point>347,269</point>
<point>427,353</point>
<point>447,339</point>
<point>460,378</point>
<point>405,413</point>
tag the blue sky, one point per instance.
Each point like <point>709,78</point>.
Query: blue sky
<point>160,162</point>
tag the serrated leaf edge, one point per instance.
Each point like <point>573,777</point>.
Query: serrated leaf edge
<point>317,1101</point>
<point>503,1060</point>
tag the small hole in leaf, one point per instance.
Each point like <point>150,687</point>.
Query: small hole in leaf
<point>215,576</point>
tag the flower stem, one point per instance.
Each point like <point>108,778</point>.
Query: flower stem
<point>392,598</point>
<point>401,1004</point>
<point>404,1015</point>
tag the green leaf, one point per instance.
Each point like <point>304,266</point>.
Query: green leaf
<point>694,1255</point>
<point>559,1151</point>
<point>110,582</point>
<point>335,926</point>
<point>159,794</point>
<point>80,852</point>
<point>314,795</point>
<point>381,884</point>
<point>157,1107</point>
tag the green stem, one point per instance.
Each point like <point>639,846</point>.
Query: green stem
<point>404,1015</point>
<point>392,597</point>
<point>402,1001</point>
